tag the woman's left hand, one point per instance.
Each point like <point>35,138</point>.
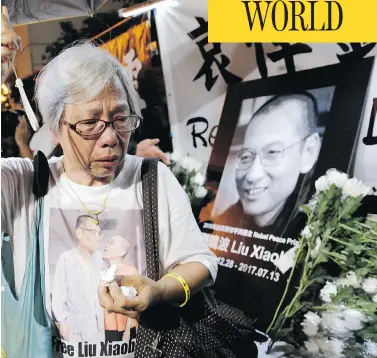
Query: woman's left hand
<point>112,299</point>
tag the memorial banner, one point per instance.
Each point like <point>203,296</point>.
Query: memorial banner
<point>266,120</point>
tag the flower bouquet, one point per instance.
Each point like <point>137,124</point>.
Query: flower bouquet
<point>187,170</point>
<point>334,310</point>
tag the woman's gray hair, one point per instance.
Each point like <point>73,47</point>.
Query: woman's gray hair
<point>79,74</point>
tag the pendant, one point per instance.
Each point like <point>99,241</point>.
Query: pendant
<point>95,219</point>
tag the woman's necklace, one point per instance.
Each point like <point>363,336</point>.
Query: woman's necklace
<point>93,214</point>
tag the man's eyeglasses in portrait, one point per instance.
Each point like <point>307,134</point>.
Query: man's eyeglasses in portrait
<point>271,155</point>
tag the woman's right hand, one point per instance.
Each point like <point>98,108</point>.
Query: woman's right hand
<point>10,44</point>
<point>112,299</point>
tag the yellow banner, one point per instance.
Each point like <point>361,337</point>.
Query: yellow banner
<point>133,44</point>
<point>292,21</point>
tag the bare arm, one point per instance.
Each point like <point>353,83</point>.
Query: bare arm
<point>167,289</point>
<point>196,275</point>
<point>25,151</point>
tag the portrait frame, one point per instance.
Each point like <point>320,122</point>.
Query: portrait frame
<point>338,150</point>
<point>346,114</point>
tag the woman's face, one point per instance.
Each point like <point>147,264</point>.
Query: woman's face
<point>102,154</point>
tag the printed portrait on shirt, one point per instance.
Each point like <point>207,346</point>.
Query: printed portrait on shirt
<point>80,249</point>
<point>276,136</point>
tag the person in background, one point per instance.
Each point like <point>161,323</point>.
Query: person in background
<point>10,44</point>
<point>155,116</point>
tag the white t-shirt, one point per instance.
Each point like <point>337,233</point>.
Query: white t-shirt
<point>76,250</point>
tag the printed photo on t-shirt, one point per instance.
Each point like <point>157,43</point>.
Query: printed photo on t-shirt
<point>81,246</point>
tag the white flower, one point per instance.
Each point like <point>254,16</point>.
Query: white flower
<point>333,322</point>
<point>318,243</point>
<point>371,348</point>
<point>327,291</point>
<point>323,344</point>
<point>354,188</point>
<point>201,192</point>
<point>321,184</point>
<point>312,317</point>
<point>306,233</point>
<point>310,324</point>
<point>198,179</point>
<point>190,164</point>
<point>370,285</point>
<point>336,347</point>
<point>312,203</point>
<point>350,280</point>
<point>175,157</point>
<point>330,348</point>
<point>335,177</point>
<point>312,346</point>
<point>353,319</point>
<point>374,298</point>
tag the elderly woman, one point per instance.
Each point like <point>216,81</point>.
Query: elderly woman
<point>88,101</point>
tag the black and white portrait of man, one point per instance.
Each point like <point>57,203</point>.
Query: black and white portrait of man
<point>276,136</point>
<point>271,156</point>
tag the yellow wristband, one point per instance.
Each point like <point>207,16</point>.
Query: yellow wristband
<point>184,284</point>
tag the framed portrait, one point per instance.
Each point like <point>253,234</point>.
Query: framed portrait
<point>276,136</point>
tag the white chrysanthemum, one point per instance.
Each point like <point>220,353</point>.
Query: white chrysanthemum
<point>355,188</point>
<point>190,164</point>
<point>201,192</point>
<point>175,157</point>
<point>328,291</point>
<point>336,347</point>
<point>198,179</point>
<point>312,346</point>
<point>318,243</point>
<point>354,319</point>
<point>306,233</point>
<point>371,348</point>
<point>350,280</point>
<point>370,285</point>
<point>321,184</point>
<point>310,324</point>
<point>333,322</point>
<point>335,177</point>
